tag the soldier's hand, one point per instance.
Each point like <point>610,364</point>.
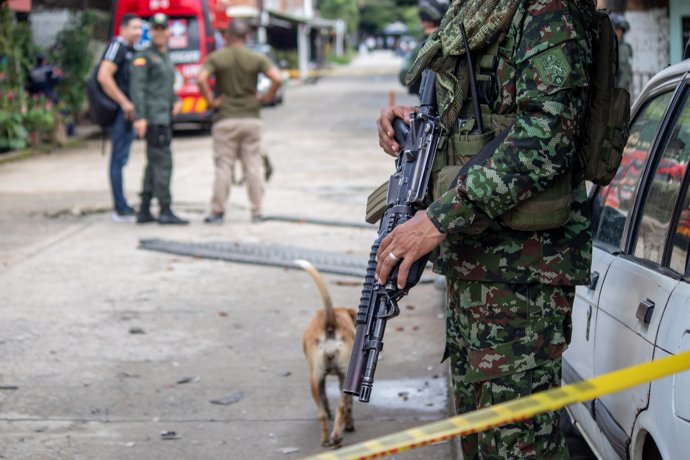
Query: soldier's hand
<point>140,128</point>
<point>385,124</point>
<point>407,243</point>
<point>128,110</point>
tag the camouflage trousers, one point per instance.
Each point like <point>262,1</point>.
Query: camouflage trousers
<point>505,341</point>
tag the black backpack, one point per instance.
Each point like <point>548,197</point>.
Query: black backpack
<point>608,115</point>
<point>102,109</point>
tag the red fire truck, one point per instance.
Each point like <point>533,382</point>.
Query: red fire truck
<point>195,31</point>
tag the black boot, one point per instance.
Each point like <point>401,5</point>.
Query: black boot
<point>167,217</point>
<point>144,215</point>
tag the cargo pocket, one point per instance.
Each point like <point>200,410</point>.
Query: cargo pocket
<point>501,327</point>
<point>548,210</point>
<point>461,148</point>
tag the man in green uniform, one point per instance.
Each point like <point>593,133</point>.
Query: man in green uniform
<point>153,76</point>
<point>510,291</point>
<point>624,74</point>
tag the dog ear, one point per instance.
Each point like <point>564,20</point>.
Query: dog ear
<point>353,314</point>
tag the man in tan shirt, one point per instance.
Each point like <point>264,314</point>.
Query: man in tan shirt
<point>236,124</point>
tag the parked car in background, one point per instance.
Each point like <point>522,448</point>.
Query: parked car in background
<point>637,306</point>
<point>263,82</point>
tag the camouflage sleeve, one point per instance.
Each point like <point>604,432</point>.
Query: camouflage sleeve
<point>137,90</point>
<point>551,82</point>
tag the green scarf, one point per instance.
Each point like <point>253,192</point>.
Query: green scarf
<point>484,21</point>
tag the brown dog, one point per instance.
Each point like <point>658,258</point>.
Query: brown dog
<point>327,345</point>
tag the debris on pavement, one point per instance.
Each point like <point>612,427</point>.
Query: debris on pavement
<point>169,435</point>
<point>184,380</point>
<point>9,387</point>
<point>229,399</point>
<point>286,374</point>
<point>288,450</point>
<point>136,330</point>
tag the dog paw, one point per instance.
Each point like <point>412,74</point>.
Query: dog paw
<point>336,441</point>
<point>325,443</point>
<point>349,428</point>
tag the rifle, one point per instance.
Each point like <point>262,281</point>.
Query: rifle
<point>408,192</point>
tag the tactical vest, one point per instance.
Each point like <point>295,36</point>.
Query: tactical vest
<point>547,210</point>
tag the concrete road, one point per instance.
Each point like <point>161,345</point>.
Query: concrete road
<point>96,334</point>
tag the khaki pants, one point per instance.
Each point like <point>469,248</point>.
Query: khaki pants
<point>237,138</point>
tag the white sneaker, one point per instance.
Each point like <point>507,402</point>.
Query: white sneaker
<point>124,218</point>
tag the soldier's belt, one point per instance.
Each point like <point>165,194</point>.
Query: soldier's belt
<point>512,411</point>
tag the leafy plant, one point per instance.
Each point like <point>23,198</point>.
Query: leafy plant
<point>13,68</point>
<point>72,54</point>
<point>13,134</point>
<point>40,116</point>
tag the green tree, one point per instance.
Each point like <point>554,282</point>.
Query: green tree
<point>73,55</point>
<point>347,10</point>
<point>377,14</point>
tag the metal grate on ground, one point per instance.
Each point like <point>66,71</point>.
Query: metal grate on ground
<point>262,254</point>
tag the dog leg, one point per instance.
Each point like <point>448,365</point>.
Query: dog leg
<point>341,416</point>
<point>316,384</point>
<point>324,399</point>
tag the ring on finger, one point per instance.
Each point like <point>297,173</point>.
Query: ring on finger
<point>393,256</point>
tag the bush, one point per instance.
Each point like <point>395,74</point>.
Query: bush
<point>72,54</point>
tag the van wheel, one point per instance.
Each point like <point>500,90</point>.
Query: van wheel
<point>650,451</point>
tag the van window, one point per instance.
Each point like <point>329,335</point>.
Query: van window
<point>680,143</point>
<point>611,204</point>
<point>184,42</point>
<point>662,192</point>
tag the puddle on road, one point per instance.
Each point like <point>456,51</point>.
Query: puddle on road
<point>419,395</point>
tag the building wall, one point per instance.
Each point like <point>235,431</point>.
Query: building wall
<point>649,38</point>
<point>45,25</point>
<point>678,10</point>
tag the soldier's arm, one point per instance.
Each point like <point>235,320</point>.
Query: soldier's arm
<point>540,147</point>
<point>138,80</point>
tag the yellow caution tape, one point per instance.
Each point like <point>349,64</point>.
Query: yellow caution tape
<point>512,411</point>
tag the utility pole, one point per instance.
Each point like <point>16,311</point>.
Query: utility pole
<point>263,22</point>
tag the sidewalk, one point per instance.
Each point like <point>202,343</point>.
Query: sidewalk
<point>107,346</point>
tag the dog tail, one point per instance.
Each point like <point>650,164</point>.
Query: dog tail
<point>321,284</point>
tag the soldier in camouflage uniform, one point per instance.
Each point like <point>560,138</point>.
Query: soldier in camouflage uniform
<point>510,291</point>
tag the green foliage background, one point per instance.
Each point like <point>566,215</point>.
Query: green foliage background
<point>73,55</point>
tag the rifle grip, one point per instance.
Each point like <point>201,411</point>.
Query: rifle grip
<point>400,131</point>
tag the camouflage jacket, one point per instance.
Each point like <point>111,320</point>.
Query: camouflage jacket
<point>542,79</point>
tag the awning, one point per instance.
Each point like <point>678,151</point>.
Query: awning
<point>23,6</point>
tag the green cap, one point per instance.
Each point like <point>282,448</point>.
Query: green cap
<point>159,20</point>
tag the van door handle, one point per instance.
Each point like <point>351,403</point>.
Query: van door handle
<point>645,310</point>
<point>593,281</point>
<point>589,322</point>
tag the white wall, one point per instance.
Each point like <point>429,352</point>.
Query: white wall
<point>649,38</point>
<point>46,24</point>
